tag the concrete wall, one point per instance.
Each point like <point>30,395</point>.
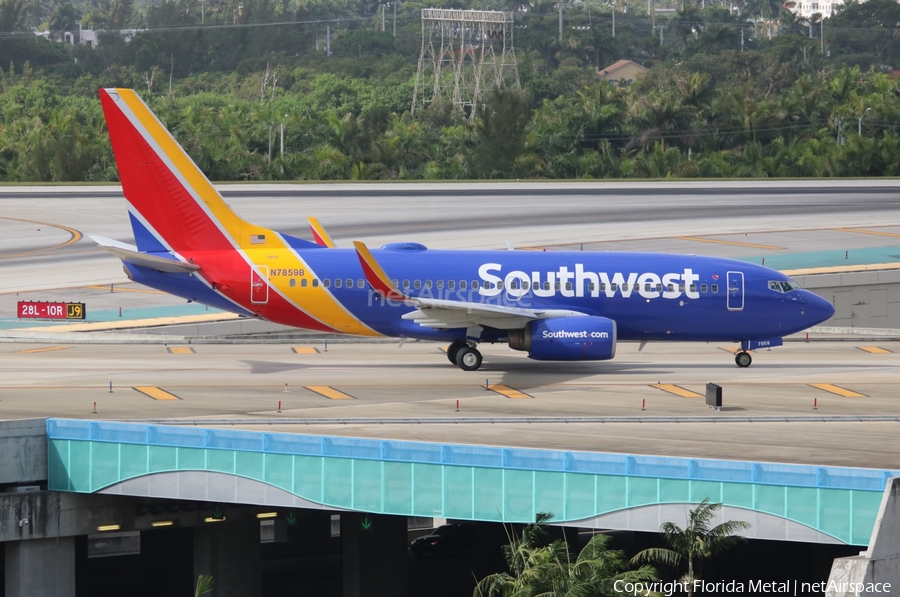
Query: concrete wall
<point>860,299</point>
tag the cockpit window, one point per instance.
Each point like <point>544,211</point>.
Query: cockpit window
<point>783,285</point>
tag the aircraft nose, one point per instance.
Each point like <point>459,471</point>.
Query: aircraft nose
<point>817,308</point>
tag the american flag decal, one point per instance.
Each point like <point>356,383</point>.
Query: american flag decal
<point>257,239</point>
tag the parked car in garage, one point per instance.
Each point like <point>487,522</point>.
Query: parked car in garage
<point>446,539</point>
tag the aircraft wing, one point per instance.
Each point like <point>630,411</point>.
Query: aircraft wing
<point>443,314</point>
<point>130,254</point>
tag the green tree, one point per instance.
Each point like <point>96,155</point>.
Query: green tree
<point>500,127</point>
<point>695,543</point>
<point>550,570</point>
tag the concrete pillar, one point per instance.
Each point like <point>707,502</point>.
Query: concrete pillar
<point>43,567</point>
<point>374,555</point>
<point>875,571</point>
<point>229,552</point>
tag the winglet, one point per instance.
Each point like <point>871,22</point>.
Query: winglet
<point>318,232</point>
<point>375,275</point>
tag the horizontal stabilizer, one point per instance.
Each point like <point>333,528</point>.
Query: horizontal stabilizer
<point>130,254</point>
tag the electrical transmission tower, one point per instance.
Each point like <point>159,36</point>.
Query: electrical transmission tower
<point>465,54</point>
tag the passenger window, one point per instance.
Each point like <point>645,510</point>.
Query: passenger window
<point>315,283</point>
<point>670,287</point>
<point>590,287</point>
<point>326,282</point>
<point>681,288</point>
<point>568,286</point>
<point>405,283</point>
<point>427,283</point>
<point>602,287</point>
<point>462,284</point>
<point>417,284</point>
<point>293,282</point>
<point>395,283</point>
<point>303,283</point>
<point>613,286</point>
<point>547,285</point>
<point>500,285</point>
<point>349,283</point>
<point>514,285</point>
<point>451,284</point>
<point>360,283</point>
<point>624,287</point>
<point>704,288</point>
<point>556,286</point>
<point>337,283</point>
<point>474,284</point>
<point>440,284</point>
<point>693,288</point>
<point>647,287</point>
<point>715,288</point>
<point>525,284</point>
<point>659,288</point>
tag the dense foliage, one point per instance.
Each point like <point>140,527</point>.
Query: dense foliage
<point>727,94</point>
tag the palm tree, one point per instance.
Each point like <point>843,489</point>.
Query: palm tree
<point>549,570</point>
<point>204,585</point>
<point>695,543</point>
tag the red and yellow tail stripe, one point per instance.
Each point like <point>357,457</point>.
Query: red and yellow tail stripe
<point>164,185</point>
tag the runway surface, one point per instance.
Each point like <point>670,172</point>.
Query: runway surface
<point>45,255</point>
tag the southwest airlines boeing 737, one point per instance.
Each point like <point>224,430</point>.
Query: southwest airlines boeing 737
<point>556,306</point>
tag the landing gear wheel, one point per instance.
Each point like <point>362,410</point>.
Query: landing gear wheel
<point>468,359</point>
<point>743,359</point>
<point>453,349</point>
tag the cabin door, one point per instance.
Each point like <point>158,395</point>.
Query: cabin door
<point>735,291</point>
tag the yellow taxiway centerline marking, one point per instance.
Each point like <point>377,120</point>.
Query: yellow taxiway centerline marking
<point>329,392</point>
<point>727,242</point>
<point>180,349</point>
<point>862,231</point>
<point>833,389</point>
<point>45,349</point>
<point>509,392</point>
<point>155,393</point>
<point>875,350</point>
<point>305,350</point>
<point>677,390</point>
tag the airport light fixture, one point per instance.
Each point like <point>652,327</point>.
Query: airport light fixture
<point>109,527</point>
<point>214,519</point>
<point>263,515</point>
<point>162,523</point>
<point>859,130</point>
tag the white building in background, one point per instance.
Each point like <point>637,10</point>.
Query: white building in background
<point>807,8</point>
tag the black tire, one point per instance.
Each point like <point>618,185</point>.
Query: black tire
<point>743,359</point>
<point>468,359</point>
<point>453,349</point>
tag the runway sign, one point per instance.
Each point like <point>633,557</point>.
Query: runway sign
<point>50,310</point>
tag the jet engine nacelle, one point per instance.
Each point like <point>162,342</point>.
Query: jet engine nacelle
<point>567,339</point>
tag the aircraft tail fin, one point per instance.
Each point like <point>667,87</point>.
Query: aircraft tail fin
<point>171,203</point>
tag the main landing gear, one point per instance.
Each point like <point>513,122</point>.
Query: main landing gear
<point>743,359</point>
<point>464,356</point>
